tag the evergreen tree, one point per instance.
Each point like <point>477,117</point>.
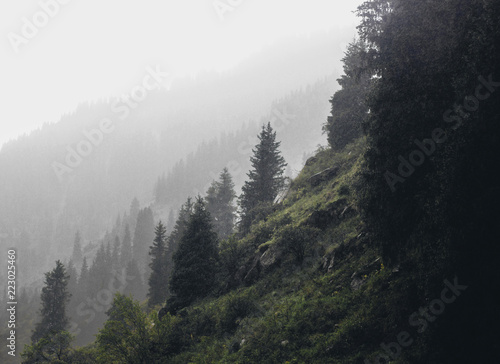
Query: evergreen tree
<point>143,237</point>
<point>77,256</point>
<point>126,252</point>
<point>84,275</point>
<point>135,285</point>
<point>99,272</point>
<point>73,277</point>
<point>265,179</point>
<point>220,197</point>
<point>176,235</point>
<point>72,286</point>
<point>195,261</point>
<point>349,107</point>
<point>158,283</point>
<point>54,298</point>
<point>429,194</point>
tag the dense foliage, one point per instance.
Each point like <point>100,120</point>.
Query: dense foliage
<point>265,179</point>
<point>195,261</point>
<point>383,249</point>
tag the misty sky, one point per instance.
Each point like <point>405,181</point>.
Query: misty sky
<point>90,49</point>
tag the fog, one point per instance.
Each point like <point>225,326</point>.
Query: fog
<point>249,181</point>
<point>89,50</point>
<point>107,93</point>
<point>109,103</point>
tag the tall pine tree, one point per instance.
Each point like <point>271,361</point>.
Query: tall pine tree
<point>177,233</point>
<point>143,236</point>
<point>349,107</point>
<point>195,261</point>
<point>220,197</point>
<point>54,297</point>
<point>265,179</point>
<point>158,282</point>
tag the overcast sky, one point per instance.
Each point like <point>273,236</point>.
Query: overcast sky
<point>88,49</point>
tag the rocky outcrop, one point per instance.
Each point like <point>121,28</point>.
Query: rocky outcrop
<point>267,258</point>
<point>271,257</point>
<point>323,176</point>
<point>344,251</point>
<point>332,214</point>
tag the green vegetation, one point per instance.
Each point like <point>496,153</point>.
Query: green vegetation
<point>265,179</point>
<point>158,280</point>
<point>355,264</point>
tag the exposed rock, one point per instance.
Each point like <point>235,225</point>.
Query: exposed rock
<point>357,282</point>
<point>346,250</point>
<point>323,176</point>
<point>327,262</point>
<point>330,215</point>
<point>251,265</point>
<point>330,266</point>
<point>271,257</point>
<point>324,262</point>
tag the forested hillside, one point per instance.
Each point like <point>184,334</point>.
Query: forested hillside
<point>50,199</point>
<point>382,248</point>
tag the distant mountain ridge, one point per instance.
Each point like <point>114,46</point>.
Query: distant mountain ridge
<point>42,212</point>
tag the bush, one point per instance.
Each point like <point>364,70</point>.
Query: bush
<point>298,240</point>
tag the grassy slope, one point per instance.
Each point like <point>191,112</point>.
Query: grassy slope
<point>304,313</point>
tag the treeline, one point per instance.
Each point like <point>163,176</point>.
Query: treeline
<point>297,118</point>
<point>420,90</point>
<point>182,267</point>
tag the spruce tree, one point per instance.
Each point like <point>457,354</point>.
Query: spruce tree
<point>143,236</point>
<point>158,283</point>
<point>54,298</point>
<point>220,197</point>
<point>73,277</point>
<point>99,272</point>
<point>176,235</point>
<point>82,284</point>
<point>72,285</point>
<point>84,274</point>
<point>429,192</point>
<point>265,179</point>
<point>349,107</point>
<point>195,261</point>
